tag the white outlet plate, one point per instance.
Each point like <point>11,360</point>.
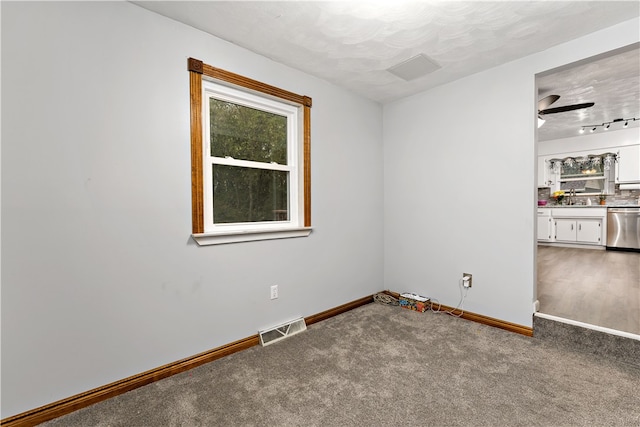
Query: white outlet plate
<point>274,291</point>
<point>469,283</point>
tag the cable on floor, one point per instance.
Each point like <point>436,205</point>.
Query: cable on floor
<point>460,306</point>
<point>385,299</point>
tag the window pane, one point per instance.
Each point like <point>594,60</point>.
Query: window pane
<point>249,195</point>
<point>245,133</point>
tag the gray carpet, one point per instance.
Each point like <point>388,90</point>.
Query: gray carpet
<point>386,366</point>
<point>573,337</point>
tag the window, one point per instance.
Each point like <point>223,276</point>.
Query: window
<point>250,156</point>
<point>586,174</point>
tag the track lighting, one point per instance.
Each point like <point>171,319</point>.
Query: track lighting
<point>607,125</point>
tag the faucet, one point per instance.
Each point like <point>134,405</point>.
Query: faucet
<point>572,195</point>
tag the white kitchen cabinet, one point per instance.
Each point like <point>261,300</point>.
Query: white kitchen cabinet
<point>590,231</point>
<point>546,177</point>
<point>545,225</point>
<point>542,172</point>
<point>566,230</point>
<point>628,166</point>
<point>585,230</point>
<point>580,225</point>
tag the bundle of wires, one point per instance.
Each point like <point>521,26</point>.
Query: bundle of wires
<point>385,299</point>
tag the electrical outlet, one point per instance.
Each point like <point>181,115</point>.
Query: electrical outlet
<point>466,283</point>
<point>274,291</point>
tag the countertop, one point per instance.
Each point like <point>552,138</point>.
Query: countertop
<point>613,205</point>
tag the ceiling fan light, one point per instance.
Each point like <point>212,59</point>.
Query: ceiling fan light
<point>540,122</point>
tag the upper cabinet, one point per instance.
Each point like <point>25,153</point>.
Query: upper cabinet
<point>547,177</point>
<point>543,172</point>
<point>628,166</point>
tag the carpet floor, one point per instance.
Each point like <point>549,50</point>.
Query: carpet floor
<point>381,365</point>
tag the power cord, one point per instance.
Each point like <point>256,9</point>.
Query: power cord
<point>460,306</point>
<point>385,299</point>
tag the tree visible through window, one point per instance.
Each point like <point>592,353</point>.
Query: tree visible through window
<point>250,154</point>
<point>258,191</point>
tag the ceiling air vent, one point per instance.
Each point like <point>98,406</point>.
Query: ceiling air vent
<point>417,66</point>
<point>280,332</point>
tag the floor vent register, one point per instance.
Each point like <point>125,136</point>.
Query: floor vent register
<point>280,332</point>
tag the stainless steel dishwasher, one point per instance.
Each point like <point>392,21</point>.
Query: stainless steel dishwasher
<point>623,228</point>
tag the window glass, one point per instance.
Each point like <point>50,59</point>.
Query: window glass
<point>578,169</point>
<point>252,152</point>
<point>247,133</point>
<point>242,195</point>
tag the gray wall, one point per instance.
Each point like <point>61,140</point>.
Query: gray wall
<point>100,278</point>
<point>460,182</point>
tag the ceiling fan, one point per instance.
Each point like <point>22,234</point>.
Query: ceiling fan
<point>544,103</point>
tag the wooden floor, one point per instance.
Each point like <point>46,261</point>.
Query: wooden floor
<point>592,286</point>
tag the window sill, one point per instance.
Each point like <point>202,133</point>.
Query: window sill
<point>206,239</point>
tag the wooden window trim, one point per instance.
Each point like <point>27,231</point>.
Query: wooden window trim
<point>196,70</point>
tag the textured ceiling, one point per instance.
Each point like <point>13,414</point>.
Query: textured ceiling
<point>354,43</point>
<point>612,82</point>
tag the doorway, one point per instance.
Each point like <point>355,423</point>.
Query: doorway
<point>588,284</point>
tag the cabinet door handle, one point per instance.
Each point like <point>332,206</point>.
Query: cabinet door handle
<point>580,227</point>
<point>571,227</point>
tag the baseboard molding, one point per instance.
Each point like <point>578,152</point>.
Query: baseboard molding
<point>82,400</point>
<point>338,310</point>
<point>479,318</point>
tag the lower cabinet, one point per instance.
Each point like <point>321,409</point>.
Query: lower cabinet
<point>586,230</point>
<point>545,228</point>
<point>573,225</point>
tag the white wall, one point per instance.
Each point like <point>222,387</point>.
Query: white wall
<point>460,183</point>
<point>594,141</point>
<point>100,277</point>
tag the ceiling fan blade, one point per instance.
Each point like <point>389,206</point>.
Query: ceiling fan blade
<point>566,108</point>
<point>546,101</point>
